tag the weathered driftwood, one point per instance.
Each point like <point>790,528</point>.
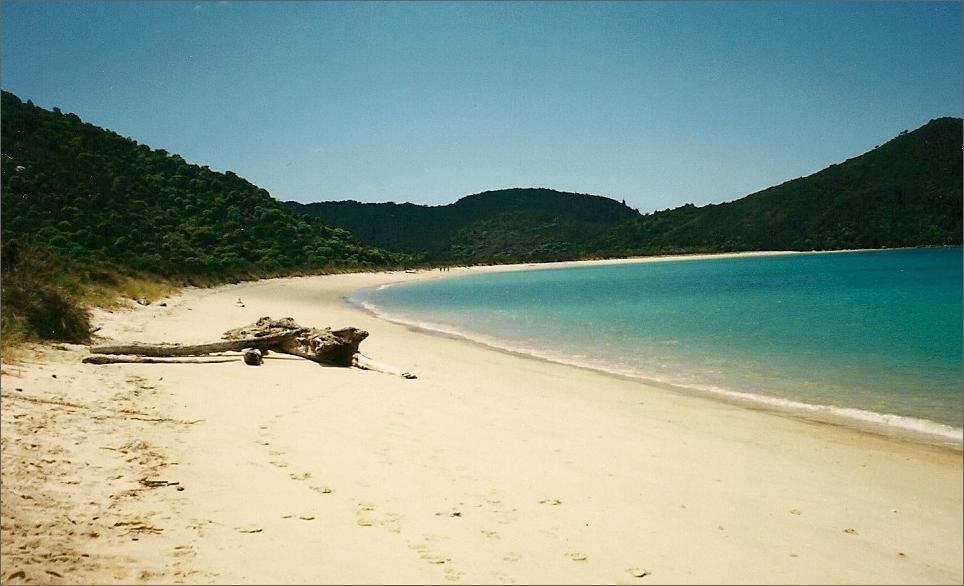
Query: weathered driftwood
<point>325,346</point>
<point>365,363</point>
<point>102,359</point>
<point>168,350</point>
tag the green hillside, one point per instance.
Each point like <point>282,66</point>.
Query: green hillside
<point>906,192</point>
<point>495,226</point>
<point>87,212</point>
<point>89,194</point>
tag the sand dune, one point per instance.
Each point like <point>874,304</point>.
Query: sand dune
<point>489,468</point>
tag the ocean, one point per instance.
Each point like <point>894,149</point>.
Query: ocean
<point>865,338</point>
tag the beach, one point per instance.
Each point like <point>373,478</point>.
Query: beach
<point>488,468</point>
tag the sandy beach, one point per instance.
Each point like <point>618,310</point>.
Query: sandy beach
<point>488,468</point>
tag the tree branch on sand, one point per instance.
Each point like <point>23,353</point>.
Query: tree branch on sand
<point>324,346</point>
<point>102,359</point>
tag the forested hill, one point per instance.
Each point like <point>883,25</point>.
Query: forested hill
<point>493,226</point>
<point>906,192</point>
<point>91,195</point>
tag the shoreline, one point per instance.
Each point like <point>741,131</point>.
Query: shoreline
<point>890,425</point>
<point>488,468</point>
<point>905,428</point>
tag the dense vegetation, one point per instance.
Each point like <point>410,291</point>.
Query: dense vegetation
<point>39,296</point>
<point>494,226</point>
<point>92,202</point>
<point>90,194</point>
<point>906,192</point>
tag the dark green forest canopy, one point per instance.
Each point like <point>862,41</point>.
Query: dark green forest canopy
<point>906,192</point>
<point>90,195</point>
<point>495,226</point>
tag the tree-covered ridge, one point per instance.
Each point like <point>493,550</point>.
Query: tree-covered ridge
<point>906,192</point>
<point>91,195</point>
<point>494,226</point>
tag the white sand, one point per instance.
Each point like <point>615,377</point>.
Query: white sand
<point>489,468</point>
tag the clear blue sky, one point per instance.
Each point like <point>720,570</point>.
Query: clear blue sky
<point>657,103</point>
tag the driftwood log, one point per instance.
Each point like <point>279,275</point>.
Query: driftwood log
<point>324,346</point>
<point>168,350</point>
<point>327,346</point>
<point>115,359</point>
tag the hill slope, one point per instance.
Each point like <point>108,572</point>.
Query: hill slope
<point>493,226</point>
<point>91,195</point>
<point>906,192</point>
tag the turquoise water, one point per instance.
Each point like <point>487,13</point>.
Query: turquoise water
<point>870,336</point>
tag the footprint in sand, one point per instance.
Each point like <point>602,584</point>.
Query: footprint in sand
<point>364,519</point>
<point>322,489</point>
<point>511,557</point>
<point>502,578</point>
<point>548,501</point>
<point>302,476</point>
<point>577,556</point>
<point>278,463</point>
<point>392,522</point>
<point>453,575</point>
<point>491,534</point>
<point>638,572</point>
